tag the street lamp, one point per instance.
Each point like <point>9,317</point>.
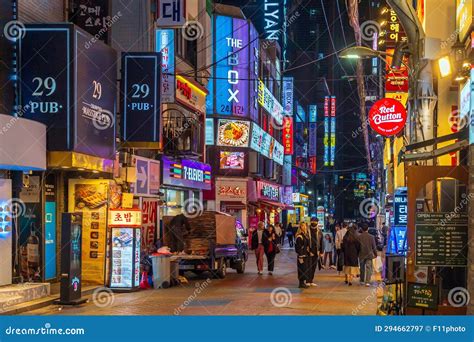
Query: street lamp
<point>364,52</point>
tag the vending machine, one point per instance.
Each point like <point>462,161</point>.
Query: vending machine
<point>125,226</point>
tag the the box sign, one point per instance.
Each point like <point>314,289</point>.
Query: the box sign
<point>70,87</point>
<point>288,89</point>
<point>190,95</point>
<point>270,103</point>
<point>268,191</point>
<point>234,133</point>
<point>170,13</point>
<point>232,69</point>
<point>387,117</point>
<point>288,135</point>
<point>141,98</point>
<point>186,173</point>
<point>93,17</point>
<point>165,45</point>
<point>125,218</point>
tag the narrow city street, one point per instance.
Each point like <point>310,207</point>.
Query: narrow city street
<point>238,294</point>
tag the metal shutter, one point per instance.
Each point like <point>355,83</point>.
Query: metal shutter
<point>41,11</point>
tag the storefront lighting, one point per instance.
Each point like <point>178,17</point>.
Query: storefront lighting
<point>384,10</point>
<point>459,78</point>
<point>466,65</point>
<point>444,66</point>
<point>383,23</point>
<point>64,167</point>
<point>95,171</point>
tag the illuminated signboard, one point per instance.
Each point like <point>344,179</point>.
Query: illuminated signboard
<point>286,170</point>
<point>400,207</point>
<point>465,101</point>
<point>277,152</point>
<point>333,131</point>
<point>186,173</point>
<point>165,45</point>
<point>270,103</point>
<point>190,95</point>
<point>233,133</point>
<point>260,140</point>
<point>464,14</point>
<point>171,13</point>
<point>326,132</point>
<point>254,59</point>
<point>125,218</point>
<point>141,100</point>
<point>268,191</point>
<point>312,129</point>
<point>273,17</point>
<point>231,86</point>
<point>288,89</point>
<point>232,160</point>
<point>288,135</point>
<point>209,131</point>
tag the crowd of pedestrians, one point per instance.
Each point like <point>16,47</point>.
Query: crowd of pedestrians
<point>347,248</point>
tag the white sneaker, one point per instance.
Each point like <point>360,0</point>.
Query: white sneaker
<point>367,284</point>
<point>313,284</point>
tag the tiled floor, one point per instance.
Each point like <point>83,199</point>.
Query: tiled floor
<point>238,294</point>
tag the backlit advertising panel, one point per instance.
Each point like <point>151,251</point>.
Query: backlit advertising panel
<point>230,160</point>
<point>232,66</point>
<point>253,64</point>
<point>260,140</point>
<point>277,152</point>
<point>165,45</point>
<point>186,173</point>
<point>288,95</point>
<point>270,103</point>
<point>288,135</point>
<point>234,133</point>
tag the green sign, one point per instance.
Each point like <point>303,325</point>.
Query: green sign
<point>422,296</point>
<point>441,239</point>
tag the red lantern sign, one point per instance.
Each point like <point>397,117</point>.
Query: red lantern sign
<point>387,117</point>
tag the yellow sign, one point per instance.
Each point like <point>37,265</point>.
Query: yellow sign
<point>463,17</point>
<point>127,200</point>
<point>400,97</point>
<point>190,94</point>
<point>125,218</point>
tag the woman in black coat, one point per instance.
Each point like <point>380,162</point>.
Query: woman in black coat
<point>351,249</point>
<point>302,251</point>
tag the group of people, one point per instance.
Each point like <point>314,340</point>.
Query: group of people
<point>354,249</point>
<point>266,242</point>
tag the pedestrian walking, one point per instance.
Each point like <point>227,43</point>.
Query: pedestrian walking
<point>302,251</point>
<point>339,253</point>
<point>351,248</point>
<point>271,248</point>
<point>283,235</point>
<point>259,240</point>
<point>315,248</point>
<point>367,253</point>
<point>278,232</point>
<point>290,235</point>
<point>328,246</point>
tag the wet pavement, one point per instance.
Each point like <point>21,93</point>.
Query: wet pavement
<point>238,294</point>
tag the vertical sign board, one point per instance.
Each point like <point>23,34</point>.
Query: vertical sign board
<point>92,16</point>
<point>141,97</point>
<point>95,94</point>
<point>71,251</point>
<point>6,232</point>
<point>170,13</point>
<point>287,138</point>
<point>50,227</point>
<point>288,89</point>
<point>312,128</point>
<point>165,45</point>
<point>333,131</point>
<point>46,81</point>
<point>70,87</point>
<point>253,75</point>
<point>232,66</point>
<point>326,132</point>
<point>150,219</point>
<point>400,207</point>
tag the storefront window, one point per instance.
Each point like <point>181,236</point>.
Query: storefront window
<point>174,202</point>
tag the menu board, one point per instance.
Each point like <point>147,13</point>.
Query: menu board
<point>137,257</point>
<point>422,296</point>
<point>122,257</point>
<point>441,239</point>
<point>90,197</point>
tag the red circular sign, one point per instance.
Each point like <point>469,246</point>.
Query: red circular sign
<point>387,117</point>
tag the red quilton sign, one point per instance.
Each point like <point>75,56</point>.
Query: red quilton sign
<point>387,117</point>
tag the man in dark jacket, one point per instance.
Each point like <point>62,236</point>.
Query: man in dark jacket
<point>368,252</point>
<point>315,249</point>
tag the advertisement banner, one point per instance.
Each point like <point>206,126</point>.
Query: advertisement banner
<point>150,219</point>
<point>268,191</point>
<point>387,117</point>
<point>278,154</point>
<point>287,137</point>
<point>141,97</point>
<point>165,45</point>
<point>270,103</point>
<point>260,140</point>
<point>287,100</point>
<point>234,133</point>
<point>253,76</point>
<point>232,70</point>
<point>170,13</point>
<point>186,173</point>
<point>190,95</point>
<point>231,190</point>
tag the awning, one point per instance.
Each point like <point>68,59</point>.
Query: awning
<point>274,204</point>
<point>76,161</point>
<point>461,136</point>
<point>236,205</point>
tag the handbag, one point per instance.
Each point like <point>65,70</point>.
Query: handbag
<point>277,249</point>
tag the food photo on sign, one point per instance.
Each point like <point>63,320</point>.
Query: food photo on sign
<point>233,133</point>
<point>387,117</point>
